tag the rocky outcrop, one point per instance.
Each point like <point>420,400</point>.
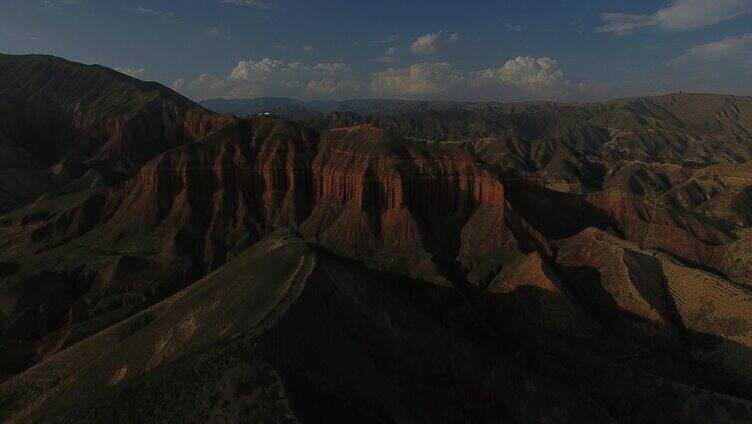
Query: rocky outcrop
<point>360,191</point>
<point>654,226</point>
<point>381,197</point>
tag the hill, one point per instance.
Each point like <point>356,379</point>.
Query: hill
<point>59,119</point>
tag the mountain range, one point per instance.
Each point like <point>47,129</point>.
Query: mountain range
<point>369,260</point>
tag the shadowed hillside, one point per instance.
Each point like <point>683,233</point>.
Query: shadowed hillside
<point>59,120</point>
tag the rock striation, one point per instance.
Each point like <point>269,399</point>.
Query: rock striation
<point>361,191</point>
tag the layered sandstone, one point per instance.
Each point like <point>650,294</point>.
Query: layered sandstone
<point>361,192</point>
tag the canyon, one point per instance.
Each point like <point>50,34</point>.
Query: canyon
<point>370,261</point>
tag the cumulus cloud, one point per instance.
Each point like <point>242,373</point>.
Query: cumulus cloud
<point>267,67</point>
<point>729,48</point>
<point>426,44</point>
<point>519,78</point>
<point>430,43</point>
<point>258,4</point>
<point>525,72</point>
<point>203,87</point>
<point>421,79</point>
<point>133,72</point>
<point>271,77</point>
<point>680,15</point>
<point>178,84</point>
<point>262,69</point>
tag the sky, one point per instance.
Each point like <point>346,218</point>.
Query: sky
<point>472,50</point>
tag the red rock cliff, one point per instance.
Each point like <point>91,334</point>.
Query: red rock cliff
<point>359,191</point>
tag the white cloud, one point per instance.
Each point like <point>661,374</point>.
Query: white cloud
<point>203,87</point>
<point>525,72</point>
<point>426,44</point>
<point>178,84</point>
<point>514,27</point>
<point>517,79</point>
<point>258,4</point>
<point>680,15</point>
<point>133,72</point>
<point>430,43</point>
<point>270,77</point>
<point>729,48</point>
<point>261,69</point>
<point>621,23</point>
<point>267,67</point>
<point>421,79</point>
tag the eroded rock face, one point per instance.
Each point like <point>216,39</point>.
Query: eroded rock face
<point>380,196</point>
<point>358,191</point>
<point>651,224</point>
<point>159,126</point>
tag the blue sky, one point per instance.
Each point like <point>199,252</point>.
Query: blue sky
<point>569,50</point>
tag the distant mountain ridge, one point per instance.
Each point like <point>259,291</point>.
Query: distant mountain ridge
<point>293,109</point>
